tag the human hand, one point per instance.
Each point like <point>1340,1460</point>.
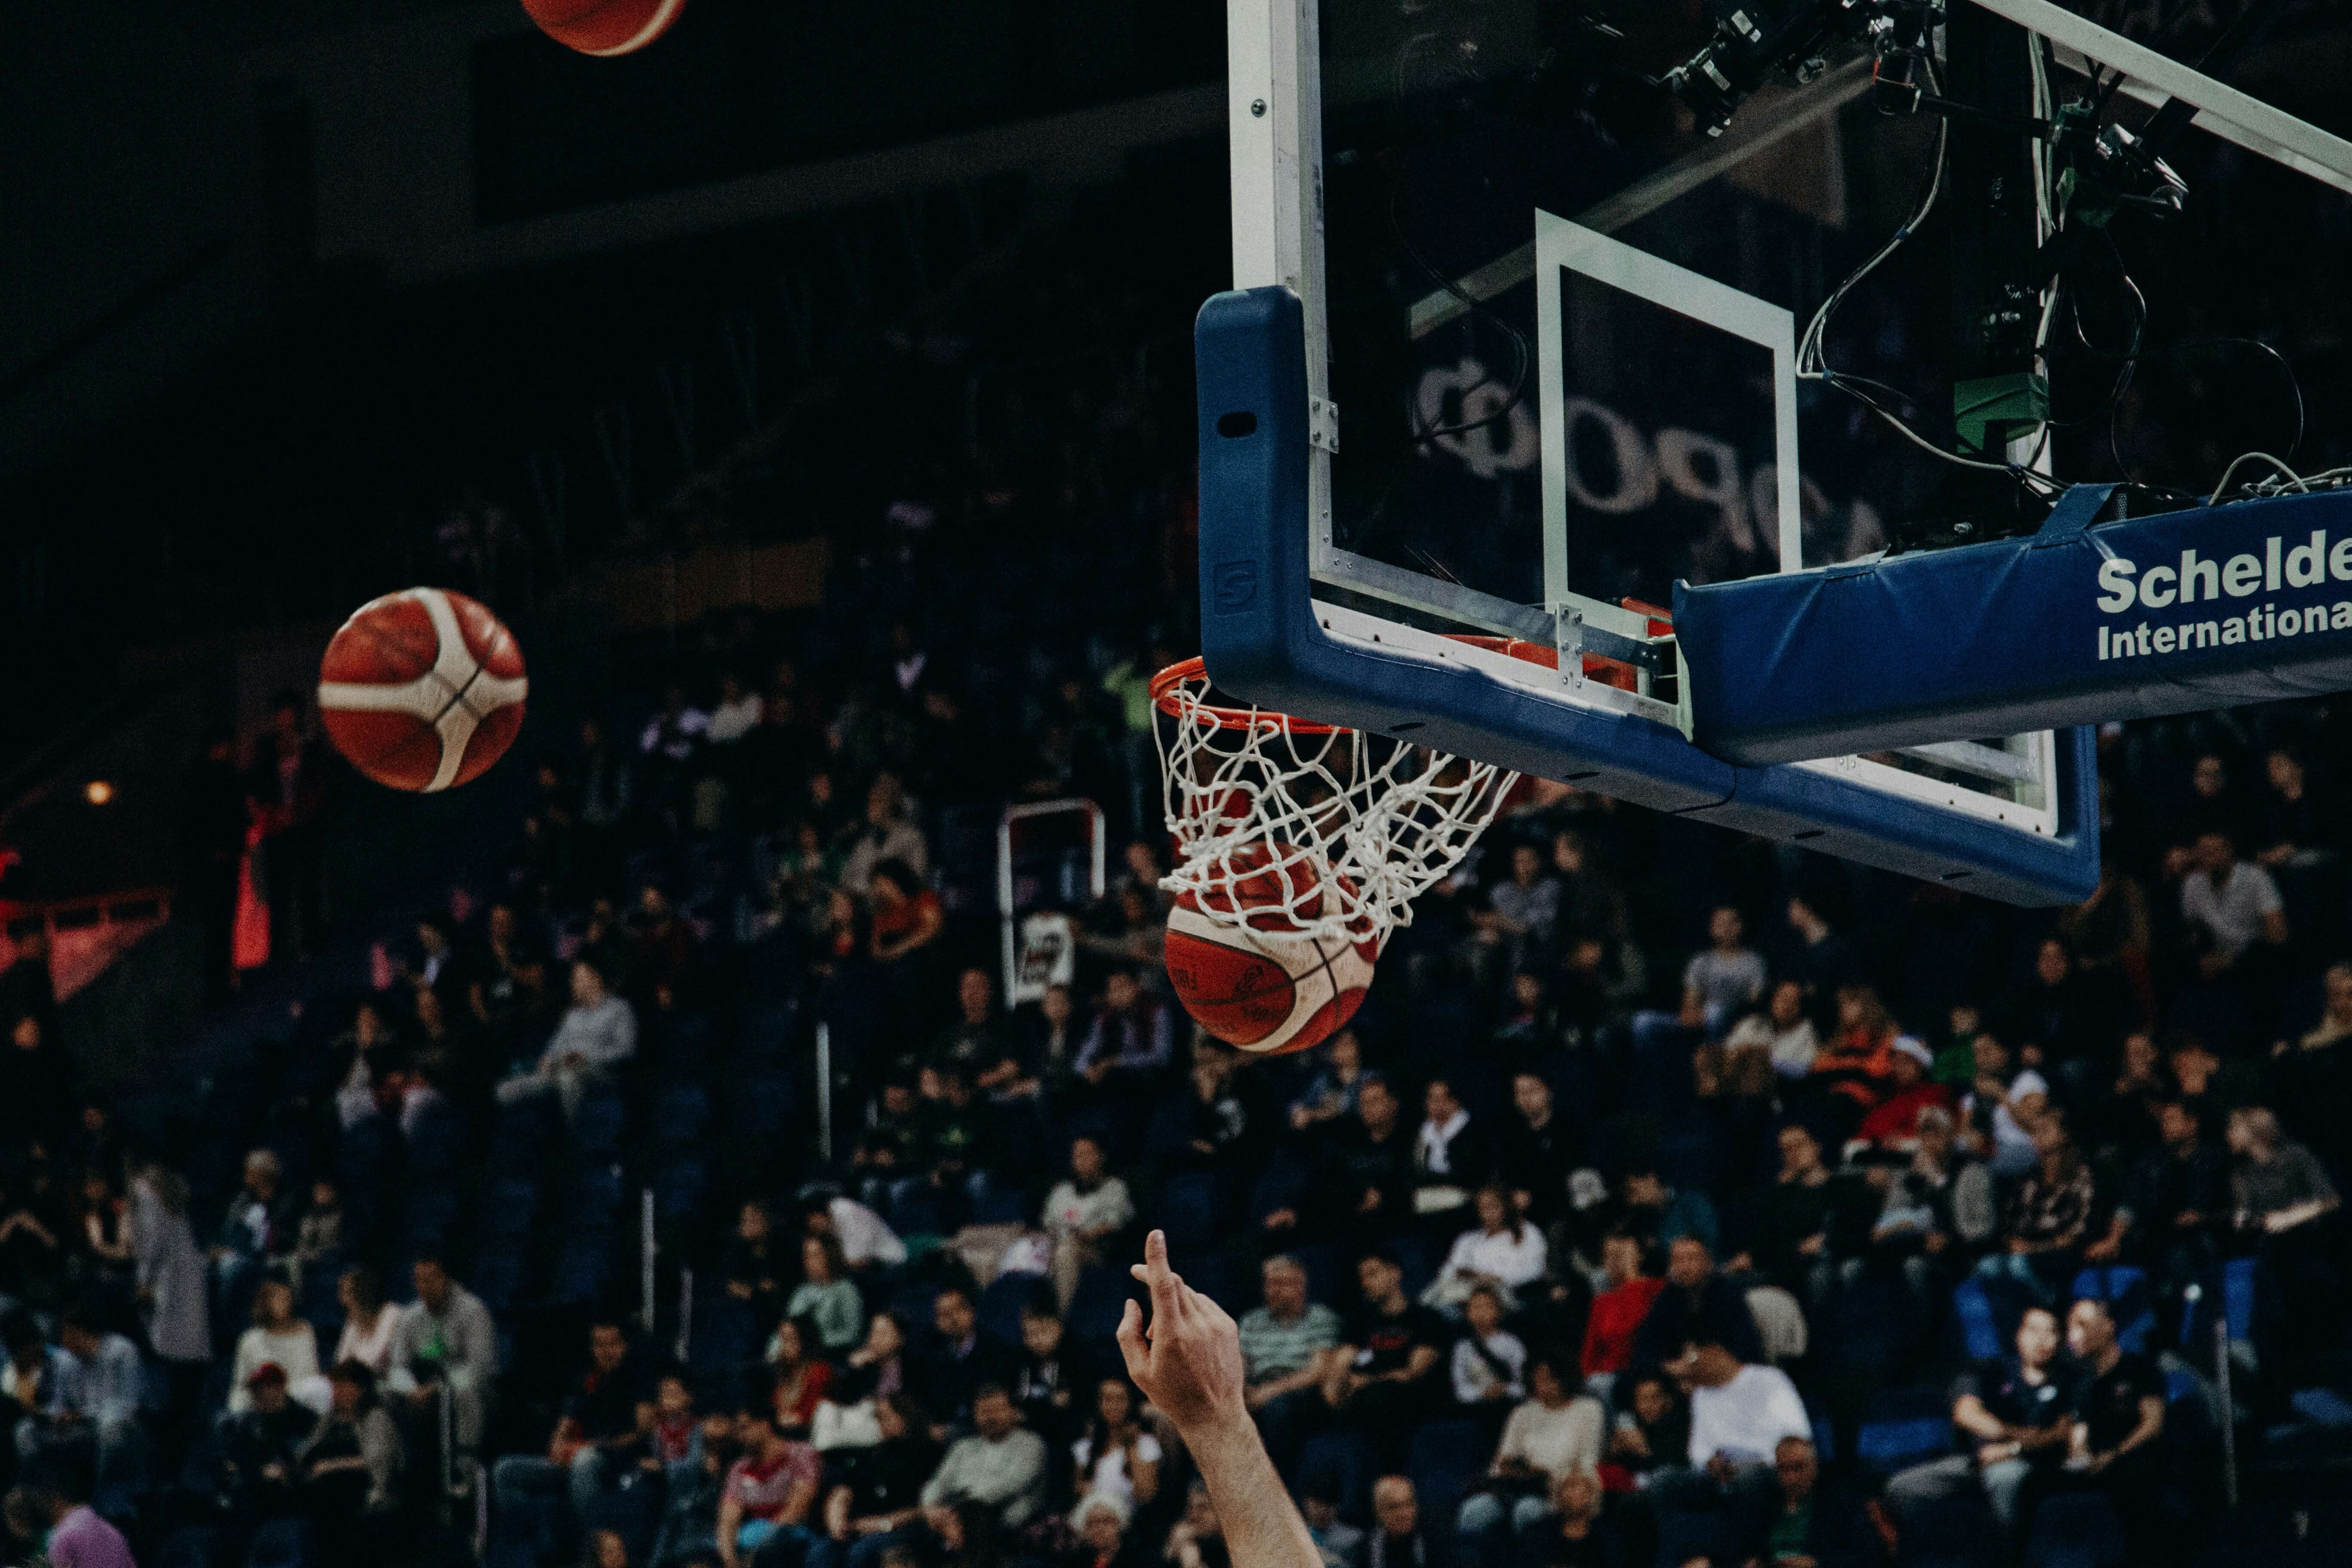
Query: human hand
<point>1189,1361</point>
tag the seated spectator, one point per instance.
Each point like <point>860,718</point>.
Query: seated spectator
<point>878,1366</point>
<point>33,1382</point>
<point>1663,1215</point>
<point>908,919</point>
<point>2280,1187</point>
<point>1083,1211</point>
<point>2001,1111</point>
<point>2335,1026</point>
<point>1809,1522</point>
<point>259,1445</point>
<point>320,1236</point>
<point>1739,1411</point>
<point>1652,1433</point>
<point>2212,1086</point>
<point>1131,1038</point>
<point>597,1035</point>
<point>87,1393</point>
<point>1804,1223</point>
<point>2230,906</point>
<point>75,1536</point>
<point>1339,1543</point>
<point>2061,1013</point>
<point>1198,1540</point>
<point>171,1279</point>
<point>1697,1304</point>
<point>1535,1149</point>
<point>2049,1215</point>
<point>865,1239</point>
<point>752,1268</point>
<point>1118,1457</point>
<point>982,1041</point>
<point>1099,1525</point>
<point>1893,1123</point>
<point>1723,978</point>
<point>1573,1534</point>
<point>690,1496</point>
<point>1384,1379</point>
<point>1503,1253</point>
<point>278,1339</point>
<point>1489,1362</point>
<point>371,1324</point>
<point>1048,1375</point>
<point>802,1378</point>
<point>2017,1417</point>
<point>1553,1435</point>
<point>874,1494</point>
<point>1000,1467</point>
<point>351,1468</point>
<point>2177,1202</point>
<point>959,1361</point>
<point>1825,961</point>
<point>1396,1539</point>
<point>1451,1156</point>
<point>768,1501</point>
<point>2118,1425</point>
<point>1286,1344</point>
<point>1931,1209</point>
<point>446,1347</point>
<point>609,1413</point>
<point>1370,1167</point>
<point>1777,1042</point>
<point>254,1228</point>
<point>887,832</point>
<point>826,1297</point>
<point>1331,1093</point>
<point>1850,1074</point>
<point>1048,1045</point>
<point>1611,1328</point>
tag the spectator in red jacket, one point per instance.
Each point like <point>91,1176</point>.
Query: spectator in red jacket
<point>1894,1123</point>
<point>1617,1312</point>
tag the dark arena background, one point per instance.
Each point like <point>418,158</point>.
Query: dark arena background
<point>675,1146</point>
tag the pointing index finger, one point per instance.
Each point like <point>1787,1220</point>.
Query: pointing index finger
<point>1167,1289</point>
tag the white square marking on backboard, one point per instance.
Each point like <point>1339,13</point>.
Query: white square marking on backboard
<point>1562,246</point>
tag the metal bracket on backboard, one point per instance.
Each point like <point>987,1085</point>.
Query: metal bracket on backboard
<point>1323,424</point>
<point>1568,637</point>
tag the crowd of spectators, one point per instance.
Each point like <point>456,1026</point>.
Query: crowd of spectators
<point>1675,1197</point>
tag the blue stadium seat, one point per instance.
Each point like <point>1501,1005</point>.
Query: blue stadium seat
<point>1187,1209</point>
<point>681,1116</point>
<point>1972,1310</point>
<point>681,1186</point>
<point>581,1267</point>
<point>597,1128</point>
<point>1097,1304</point>
<point>1346,1460</point>
<point>596,1195</point>
<point>2074,1530</point>
<point>999,1305</point>
<point>1951,1533</point>
<point>190,1546</point>
<point>431,1211</point>
<point>433,1139</point>
<point>280,1544</point>
<point>723,1338</point>
<point>497,1278</point>
<point>508,1208</point>
<point>1446,1460</point>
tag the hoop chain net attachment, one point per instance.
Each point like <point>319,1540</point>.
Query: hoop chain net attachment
<point>1291,828</point>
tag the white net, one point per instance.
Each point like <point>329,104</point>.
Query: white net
<point>1291,828</point>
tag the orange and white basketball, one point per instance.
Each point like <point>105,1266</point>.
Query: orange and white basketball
<point>422,690</point>
<point>604,26</point>
<point>1266,986</point>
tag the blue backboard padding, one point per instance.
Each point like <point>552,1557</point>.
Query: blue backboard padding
<point>2028,634</point>
<point>1262,644</point>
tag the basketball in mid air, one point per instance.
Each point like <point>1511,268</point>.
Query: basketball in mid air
<point>422,690</point>
<point>604,26</point>
<point>1266,986</point>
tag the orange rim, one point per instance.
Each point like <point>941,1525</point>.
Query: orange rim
<point>1165,683</point>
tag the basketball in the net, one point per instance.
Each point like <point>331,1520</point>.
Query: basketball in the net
<point>604,26</point>
<point>1265,986</point>
<point>422,690</point>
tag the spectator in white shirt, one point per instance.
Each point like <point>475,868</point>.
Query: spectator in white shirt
<point>1551,1435</point>
<point>1489,1363</point>
<point>1503,1253</point>
<point>371,1323</point>
<point>2230,904</point>
<point>599,1032</point>
<point>1724,978</point>
<point>1780,1034</point>
<point>1738,1415</point>
<point>278,1339</point>
<point>2003,1108</point>
<point>737,713</point>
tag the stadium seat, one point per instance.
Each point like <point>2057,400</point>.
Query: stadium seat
<point>681,1186</point>
<point>597,1128</point>
<point>1000,1303</point>
<point>190,1546</point>
<point>1344,1460</point>
<point>1446,1460</point>
<point>1972,1310</point>
<point>1188,1209</point>
<point>1903,1426</point>
<point>681,1115</point>
<point>1098,1303</point>
<point>1957,1531</point>
<point>2074,1530</point>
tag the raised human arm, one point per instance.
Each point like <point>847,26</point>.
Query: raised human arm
<point>1189,1363</point>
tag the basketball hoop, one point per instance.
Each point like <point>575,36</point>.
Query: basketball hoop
<point>1289,828</point>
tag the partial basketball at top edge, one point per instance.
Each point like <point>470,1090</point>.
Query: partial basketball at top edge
<point>422,690</point>
<point>1265,986</point>
<point>603,28</point>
